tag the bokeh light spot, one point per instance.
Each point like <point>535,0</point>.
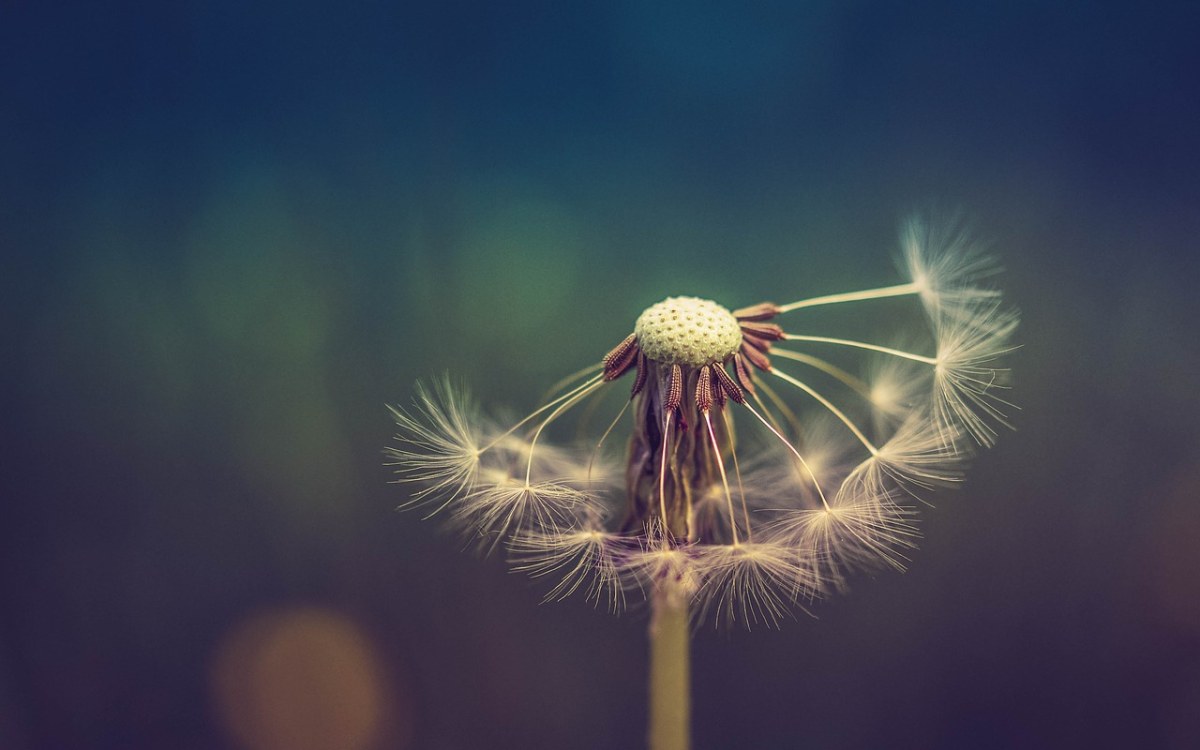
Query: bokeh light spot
<point>304,679</point>
<point>1174,552</point>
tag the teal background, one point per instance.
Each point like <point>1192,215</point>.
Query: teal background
<point>231,232</point>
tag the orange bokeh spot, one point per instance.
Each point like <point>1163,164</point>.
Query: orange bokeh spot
<point>304,679</point>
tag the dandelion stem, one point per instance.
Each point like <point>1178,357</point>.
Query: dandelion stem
<point>888,291</point>
<point>670,679</point>
<point>858,345</point>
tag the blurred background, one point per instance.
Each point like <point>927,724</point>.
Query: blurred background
<point>231,232</point>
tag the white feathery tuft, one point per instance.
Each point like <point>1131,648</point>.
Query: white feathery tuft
<point>858,531</point>
<point>828,493</point>
<point>510,505</point>
<point>439,444</point>
<point>921,454</point>
<point>754,583</point>
<point>585,557</point>
<point>946,265</point>
<point>967,385</point>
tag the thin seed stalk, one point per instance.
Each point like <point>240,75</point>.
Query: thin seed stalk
<point>670,673</point>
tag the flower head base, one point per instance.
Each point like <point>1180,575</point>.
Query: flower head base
<point>742,534</point>
<point>688,331</point>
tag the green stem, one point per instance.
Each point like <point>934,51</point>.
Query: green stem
<point>670,667</point>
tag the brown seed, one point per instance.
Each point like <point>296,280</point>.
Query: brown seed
<point>639,380</point>
<point>704,390</point>
<point>717,390</point>
<point>743,372</point>
<point>768,331</point>
<point>757,358</point>
<point>617,361</point>
<point>675,389</point>
<point>727,386</point>
<point>757,342</point>
<point>761,311</point>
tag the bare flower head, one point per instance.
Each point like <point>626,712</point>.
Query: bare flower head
<point>763,464</point>
<point>687,331</point>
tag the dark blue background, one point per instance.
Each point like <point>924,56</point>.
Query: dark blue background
<point>232,231</point>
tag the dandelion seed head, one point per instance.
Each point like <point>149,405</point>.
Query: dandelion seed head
<point>835,451</point>
<point>688,331</point>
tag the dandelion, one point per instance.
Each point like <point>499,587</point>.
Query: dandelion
<point>765,461</point>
